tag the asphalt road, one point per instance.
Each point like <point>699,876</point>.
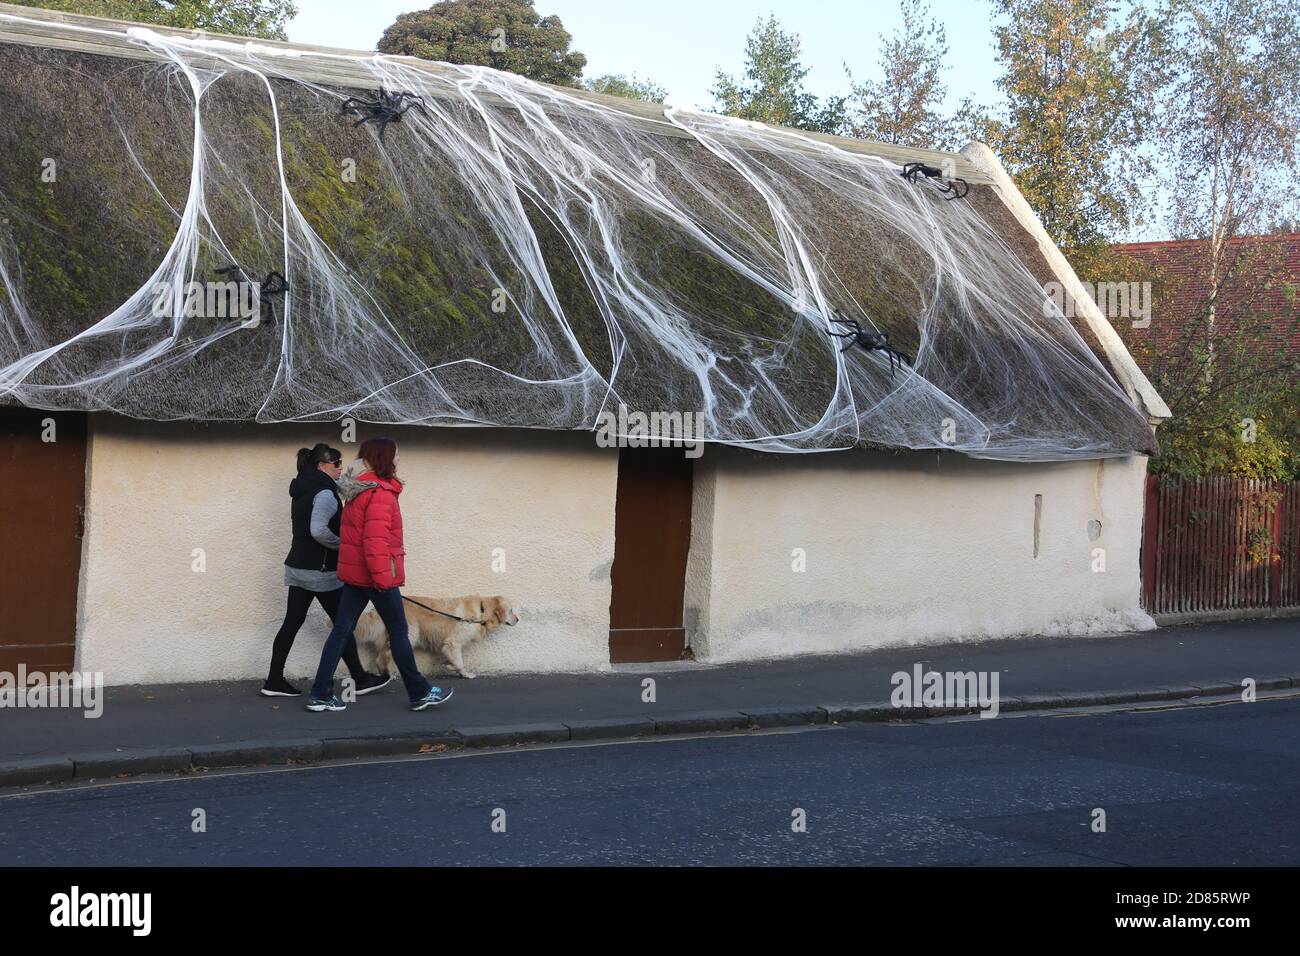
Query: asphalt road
<point>1211,786</point>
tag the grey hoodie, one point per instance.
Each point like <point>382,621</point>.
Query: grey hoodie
<point>323,507</point>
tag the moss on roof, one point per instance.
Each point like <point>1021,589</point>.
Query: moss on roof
<point>414,241</point>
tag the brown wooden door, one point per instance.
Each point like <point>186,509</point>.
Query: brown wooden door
<point>652,537</point>
<point>42,502</point>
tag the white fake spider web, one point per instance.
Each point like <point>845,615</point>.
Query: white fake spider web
<point>693,264</point>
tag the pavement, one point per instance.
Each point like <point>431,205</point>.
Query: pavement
<point>1186,785</point>
<point>183,727</point>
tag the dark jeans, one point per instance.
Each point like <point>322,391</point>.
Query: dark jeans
<point>389,605</point>
<point>299,603</point>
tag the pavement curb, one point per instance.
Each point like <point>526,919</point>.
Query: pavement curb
<point>116,763</point>
<point>792,716</point>
<point>506,735</point>
<point>389,745</point>
<point>700,721</point>
<point>249,753</point>
<point>611,728</point>
<point>27,771</point>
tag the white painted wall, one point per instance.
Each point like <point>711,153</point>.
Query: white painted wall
<point>908,549</point>
<point>913,548</point>
<point>156,492</point>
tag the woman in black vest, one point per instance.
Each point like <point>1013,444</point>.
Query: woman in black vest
<point>310,570</point>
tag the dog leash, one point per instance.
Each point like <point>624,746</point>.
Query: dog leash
<point>463,620</point>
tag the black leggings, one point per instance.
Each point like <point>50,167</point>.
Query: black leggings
<point>295,615</point>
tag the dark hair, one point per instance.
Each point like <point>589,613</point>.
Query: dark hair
<point>378,453</point>
<point>310,458</point>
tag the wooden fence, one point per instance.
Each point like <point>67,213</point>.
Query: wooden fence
<point>1220,544</point>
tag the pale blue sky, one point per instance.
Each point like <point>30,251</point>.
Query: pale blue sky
<point>679,43</point>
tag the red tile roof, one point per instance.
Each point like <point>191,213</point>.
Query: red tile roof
<point>1265,266</point>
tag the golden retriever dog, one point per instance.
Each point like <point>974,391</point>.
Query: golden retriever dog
<point>441,636</point>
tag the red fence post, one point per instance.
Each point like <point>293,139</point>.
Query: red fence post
<point>1150,542</point>
<point>1275,548</point>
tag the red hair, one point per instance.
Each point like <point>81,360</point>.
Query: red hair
<point>379,453</point>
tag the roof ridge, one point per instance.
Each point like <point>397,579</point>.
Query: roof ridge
<point>1177,243</point>
<point>331,66</point>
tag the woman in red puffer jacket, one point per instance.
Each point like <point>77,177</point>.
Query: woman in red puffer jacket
<point>372,568</point>
<point>370,535</point>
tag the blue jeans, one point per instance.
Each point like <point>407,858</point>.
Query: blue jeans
<point>389,605</point>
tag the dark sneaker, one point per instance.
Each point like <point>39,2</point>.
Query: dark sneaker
<point>318,704</point>
<point>279,687</point>
<point>372,682</point>
<point>436,695</point>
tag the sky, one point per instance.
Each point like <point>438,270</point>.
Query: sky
<point>680,43</point>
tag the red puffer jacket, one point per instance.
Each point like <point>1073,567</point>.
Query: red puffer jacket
<point>371,554</point>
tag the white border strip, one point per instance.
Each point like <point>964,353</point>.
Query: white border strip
<point>1134,382</point>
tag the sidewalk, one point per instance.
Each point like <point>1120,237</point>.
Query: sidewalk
<point>177,727</point>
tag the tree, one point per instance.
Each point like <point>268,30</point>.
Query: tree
<point>1080,89</point>
<point>250,18</point>
<point>1244,420</point>
<point>504,34</point>
<point>631,87</point>
<point>1229,121</point>
<point>1226,140</point>
<point>903,106</point>
<point>772,89</point>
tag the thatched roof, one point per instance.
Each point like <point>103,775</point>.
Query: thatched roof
<point>393,276</point>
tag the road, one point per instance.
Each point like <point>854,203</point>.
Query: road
<point>1209,785</point>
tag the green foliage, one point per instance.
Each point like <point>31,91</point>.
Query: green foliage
<point>1229,111</point>
<point>1222,441</point>
<point>1244,419</point>
<point>248,18</point>
<point>507,35</point>
<point>772,88</point>
<point>1080,86</point>
<point>1228,106</point>
<point>903,106</point>
<point>630,87</point>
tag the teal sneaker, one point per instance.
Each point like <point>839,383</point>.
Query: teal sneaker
<point>436,695</point>
<point>318,704</point>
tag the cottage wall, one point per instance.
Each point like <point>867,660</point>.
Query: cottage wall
<point>187,528</point>
<point>914,548</point>
<point>156,493</point>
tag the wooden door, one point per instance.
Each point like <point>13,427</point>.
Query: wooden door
<point>652,538</point>
<point>42,507</point>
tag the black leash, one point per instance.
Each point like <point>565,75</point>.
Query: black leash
<point>463,620</point>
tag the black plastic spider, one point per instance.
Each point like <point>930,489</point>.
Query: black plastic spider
<point>385,108</point>
<point>273,284</point>
<point>871,341</point>
<point>953,188</point>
